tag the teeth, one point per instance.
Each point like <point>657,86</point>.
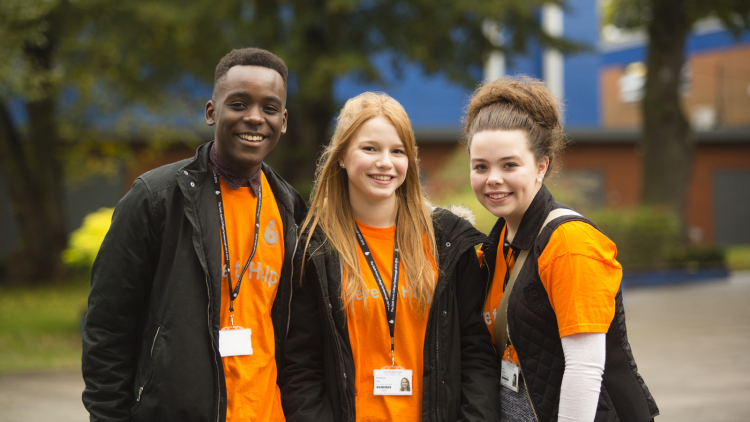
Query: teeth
<point>498,195</point>
<point>256,138</point>
<point>382,177</point>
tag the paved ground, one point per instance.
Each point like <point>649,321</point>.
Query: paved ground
<point>691,343</point>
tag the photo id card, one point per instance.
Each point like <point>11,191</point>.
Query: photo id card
<point>510,375</point>
<point>235,341</point>
<point>393,382</point>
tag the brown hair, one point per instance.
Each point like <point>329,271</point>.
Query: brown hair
<point>332,212</point>
<point>518,103</point>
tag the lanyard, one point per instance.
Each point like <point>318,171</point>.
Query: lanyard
<point>514,254</point>
<point>234,292</point>
<point>388,299</point>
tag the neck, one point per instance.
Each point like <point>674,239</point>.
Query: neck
<point>513,221</point>
<point>244,172</point>
<point>380,214</point>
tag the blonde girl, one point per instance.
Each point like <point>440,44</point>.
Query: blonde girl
<point>390,288</point>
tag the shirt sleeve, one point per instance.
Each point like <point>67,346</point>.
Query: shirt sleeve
<point>581,275</point>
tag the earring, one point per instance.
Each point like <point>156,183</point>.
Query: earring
<point>341,164</point>
<point>539,179</point>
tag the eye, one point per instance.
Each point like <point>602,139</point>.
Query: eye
<point>237,105</point>
<point>510,165</point>
<point>271,109</point>
<point>399,151</point>
<point>368,148</point>
<point>479,167</point>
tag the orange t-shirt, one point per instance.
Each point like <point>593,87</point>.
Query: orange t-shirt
<point>252,393</point>
<point>580,275</point>
<point>371,340</point>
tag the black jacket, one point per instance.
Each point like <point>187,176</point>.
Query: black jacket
<point>150,342</point>
<point>461,375</point>
<point>533,331</point>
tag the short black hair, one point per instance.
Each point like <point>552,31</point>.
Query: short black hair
<point>250,57</point>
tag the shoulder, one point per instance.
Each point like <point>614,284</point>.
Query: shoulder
<point>453,219</point>
<point>163,177</point>
<point>285,193</point>
<point>581,239</point>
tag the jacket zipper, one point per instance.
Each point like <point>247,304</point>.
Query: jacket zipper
<point>343,370</point>
<point>148,377</point>
<point>210,334</point>
<point>291,280</point>
<point>437,365</point>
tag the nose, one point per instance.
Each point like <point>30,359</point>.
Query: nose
<point>384,161</point>
<point>495,178</point>
<point>253,116</point>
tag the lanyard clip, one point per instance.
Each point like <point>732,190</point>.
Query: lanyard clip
<point>231,318</point>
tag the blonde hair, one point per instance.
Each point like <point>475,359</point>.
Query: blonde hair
<point>518,103</point>
<point>331,210</point>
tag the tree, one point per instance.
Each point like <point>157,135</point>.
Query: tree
<point>666,144</point>
<point>69,55</point>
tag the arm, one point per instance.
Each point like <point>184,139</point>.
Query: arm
<point>585,354</point>
<point>303,394</point>
<point>480,382</point>
<point>122,271</point>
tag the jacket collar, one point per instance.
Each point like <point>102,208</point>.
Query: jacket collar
<point>533,219</point>
<point>199,171</point>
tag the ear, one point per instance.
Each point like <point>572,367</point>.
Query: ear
<point>542,166</point>
<point>284,121</point>
<point>211,113</point>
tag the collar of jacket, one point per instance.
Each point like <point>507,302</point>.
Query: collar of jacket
<point>531,223</point>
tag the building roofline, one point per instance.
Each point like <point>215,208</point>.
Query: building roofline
<point>607,136</point>
<point>448,135</point>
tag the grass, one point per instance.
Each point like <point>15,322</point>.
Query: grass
<point>39,326</point>
<point>738,257</point>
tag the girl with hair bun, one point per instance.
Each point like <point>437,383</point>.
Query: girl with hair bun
<point>554,306</point>
<point>386,319</point>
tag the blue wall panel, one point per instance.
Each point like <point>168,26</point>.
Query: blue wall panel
<point>432,101</point>
<point>581,70</point>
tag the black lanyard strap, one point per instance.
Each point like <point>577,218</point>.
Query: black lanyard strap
<point>234,291</point>
<point>388,299</point>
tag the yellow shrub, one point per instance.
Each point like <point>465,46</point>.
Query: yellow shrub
<point>84,243</point>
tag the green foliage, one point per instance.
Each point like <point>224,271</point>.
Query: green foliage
<point>734,14</point>
<point>40,326</point>
<point>738,257</point>
<point>650,238</point>
<point>85,242</point>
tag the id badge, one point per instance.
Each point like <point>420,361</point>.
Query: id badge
<point>510,375</point>
<point>235,341</point>
<point>393,382</point>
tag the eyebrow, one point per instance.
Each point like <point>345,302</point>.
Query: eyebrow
<point>484,160</point>
<point>243,94</point>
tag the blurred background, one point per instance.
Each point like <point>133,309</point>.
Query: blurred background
<point>657,113</point>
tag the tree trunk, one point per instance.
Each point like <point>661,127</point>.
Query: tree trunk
<point>309,132</point>
<point>32,171</point>
<point>666,146</point>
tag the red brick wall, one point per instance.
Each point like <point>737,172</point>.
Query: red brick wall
<point>719,79</point>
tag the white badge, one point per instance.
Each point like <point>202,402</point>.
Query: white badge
<point>393,382</point>
<point>235,341</point>
<point>510,376</point>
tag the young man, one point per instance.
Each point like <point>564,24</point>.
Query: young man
<point>190,292</point>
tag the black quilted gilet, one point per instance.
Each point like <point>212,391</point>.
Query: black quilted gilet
<point>533,331</point>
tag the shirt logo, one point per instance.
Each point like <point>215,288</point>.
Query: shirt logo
<point>271,235</point>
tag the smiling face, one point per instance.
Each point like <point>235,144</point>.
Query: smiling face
<point>504,173</point>
<point>404,383</point>
<point>248,113</point>
<point>375,162</point>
